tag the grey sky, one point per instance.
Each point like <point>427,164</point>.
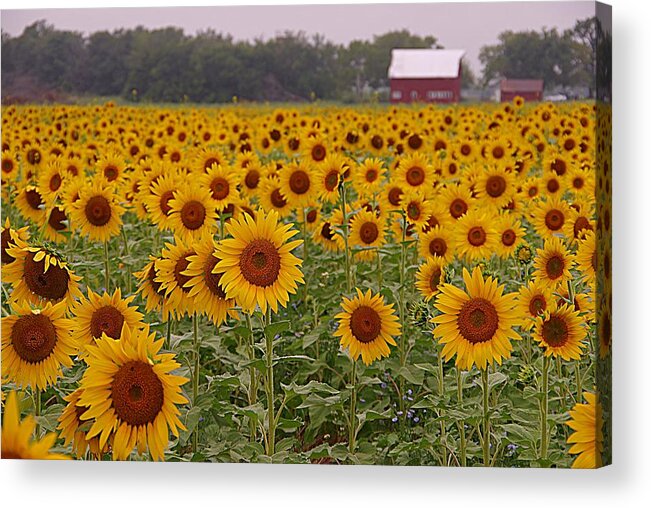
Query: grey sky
<point>466,26</point>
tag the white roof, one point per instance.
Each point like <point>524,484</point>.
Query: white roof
<point>425,63</point>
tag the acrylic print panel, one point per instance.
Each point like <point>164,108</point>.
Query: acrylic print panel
<point>387,246</point>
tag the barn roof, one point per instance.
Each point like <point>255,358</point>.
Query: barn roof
<point>425,63</point>
<point>521,85</point>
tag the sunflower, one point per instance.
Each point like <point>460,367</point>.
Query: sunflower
<point>430,276</point>
<point>315,150</point>
<point>110,167</point>
<point>586,257</point>
<point>553,263</point>
<point>103,314</point>
<point>551,218</point>
<point>475,236</point>
<point>192,212</point>
<point>586,420</point>
<point>367,326</point>
<point>257,264</point>
<point>30,203</point>
<point>39,275</point>
<point>580,220</point>
<point>457,200</point>
<point>533,300</point>
<point>150,289</point>
<point>157,200</point>
<point>10,238</point>
<point>97,213</point>
<point>222,182</point>
<point>51,180</point>
<point>416,173</point>
<point>56,225</point>
<point>326,236</point>
<point>296,184</point>
<point>495,187</point>
<point>204,285</point>
<point>328,177</point>
<point>131,394</point>
<point>205,158</point>
<point>9,166</point>
<point>437,242</point>
<point>510,232</point>
<point>368,177</point>
<point>73,430</point>
<point>560,332</point>
<point>271,198</point>
<point>417,208</point>
<point>17,441</point>
<point>251,176</point>
<point>36,344</point>
<point>367,230</point>
<point>391,196</point>
<point>476,325</point>
<point>170,274</point>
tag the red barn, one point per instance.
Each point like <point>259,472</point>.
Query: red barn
<point>528,89</point>
<point>425,75</point>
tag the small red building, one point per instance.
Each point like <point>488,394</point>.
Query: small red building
<point>528,89</point>
<point>425,75</point>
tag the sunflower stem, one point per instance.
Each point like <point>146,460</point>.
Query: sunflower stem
<point>352,430</point>
<point>577,373</point>
<point>107,274</point>
<point>195,376</point>
<point>379,271</point>
<point>543,407</point>
<point>253,389</point>
<point>486,439</point>
<point>269,385</point>
<point>305,255</point>
<point>462,426</point>
<point>442,412</point>
<point>37,411</point>
<point>344,229</point>
<point>168,335</point>
<point>403,335</point>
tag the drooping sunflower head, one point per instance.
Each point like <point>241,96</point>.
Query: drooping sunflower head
<point>476,325</point>
<point>10,238</point>
<point>36,344</point>
<point>39,275</point>
<point>430,276</point>
<point>257,264</point>
<point>131,393</point>
<point>30,202</point>
<point>367,326</point>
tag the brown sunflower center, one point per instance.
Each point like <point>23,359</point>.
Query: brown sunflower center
<point>212,279</point>
<point>151,276</point>
<point>415,175</point>
<point>98,211</point>
<point>7,165</point>
<point>33,198</point>
<point>277,199</point>
<point>554,331</point>
<point>394,196</point>
<point>220,188</point>
<point>180,266</point>
<point>377,142</point>
<point>554,220</point>
<point>415,141</point>
<point>478,320</point>
<point>508,237</point>
<point>368,232</point>
<point>498,152</point>
<point>55,182</point>
<point>164,202</point>
<point>57,219</point>
<point>108,320</point>
<point>553,185</point>
<point>193,215</point>
<point>578,182</point>
<point>365,324</point>
<point>326,231</point>
<point>33,337</point>
<point>477,236</point>
<point>581,224</point>
<point>318,153</point>
<point>458,207</point>
<point>260,263</point>
<point>6,239</point>
<point>311,216</point>
<point>537,305</point>
<point>438,247</point>
<point>435,279</point>
<point>299,182</point>
<point>371,175</point>
<point>559,167</point>
<point>50,285</point>
<point>252,179</point>
<point>209,162</point>
<point>137,393</point>
<point>495,186</point>
<point>331,180</point>
<point>111,172</point>
<point>555,267</point>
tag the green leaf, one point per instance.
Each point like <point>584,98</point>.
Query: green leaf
<point>276,328</point>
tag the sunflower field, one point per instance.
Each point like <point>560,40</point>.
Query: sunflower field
<point>413,285</point>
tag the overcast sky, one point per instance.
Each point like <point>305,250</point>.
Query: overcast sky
<point>466,26</point>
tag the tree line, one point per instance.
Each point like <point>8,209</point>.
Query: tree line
<point>167,65</point>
